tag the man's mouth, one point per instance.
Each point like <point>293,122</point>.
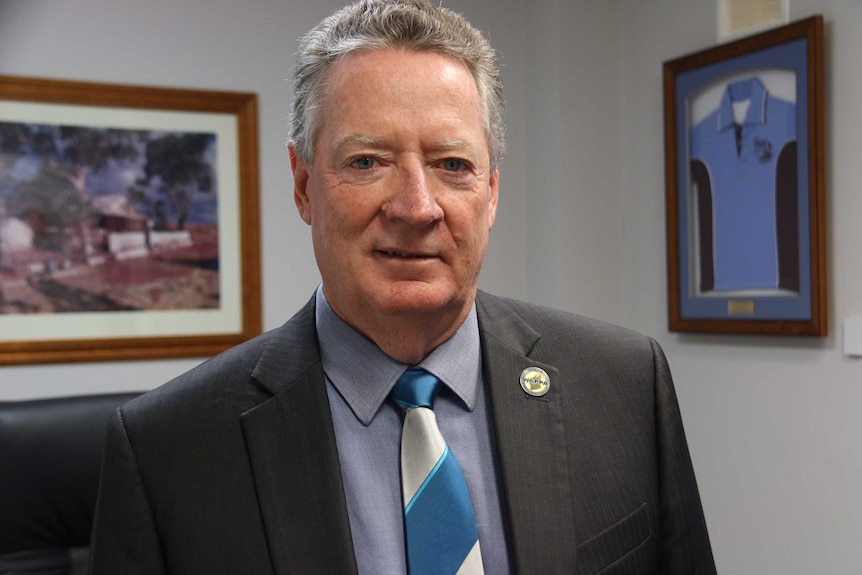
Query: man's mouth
<point>397,254</point>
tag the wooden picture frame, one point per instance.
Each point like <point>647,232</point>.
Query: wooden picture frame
<point>129,225</point>
<point>745,195</point>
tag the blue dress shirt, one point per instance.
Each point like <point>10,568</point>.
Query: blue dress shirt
<point>359,378</point>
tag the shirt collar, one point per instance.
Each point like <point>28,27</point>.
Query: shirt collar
<point>748,89</point>
<point>364,375</point>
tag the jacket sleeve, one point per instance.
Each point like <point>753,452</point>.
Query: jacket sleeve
<point>124,538</point>
<point>684,541</point>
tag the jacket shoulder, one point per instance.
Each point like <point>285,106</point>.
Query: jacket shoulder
<point>238,378</point>
<point>507,314</point>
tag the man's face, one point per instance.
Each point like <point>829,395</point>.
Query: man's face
<point>401,195</point>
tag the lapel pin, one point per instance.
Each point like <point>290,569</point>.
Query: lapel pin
<point>535,381</point>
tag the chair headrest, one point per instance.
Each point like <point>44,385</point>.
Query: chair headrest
<point>50,461</point>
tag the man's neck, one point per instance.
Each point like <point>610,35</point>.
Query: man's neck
<point>408,338</point>
<point>412,341</point>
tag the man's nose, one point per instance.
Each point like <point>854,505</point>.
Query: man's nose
<point>413,200</point>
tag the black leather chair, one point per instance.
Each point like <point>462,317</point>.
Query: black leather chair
<point>50,461</point>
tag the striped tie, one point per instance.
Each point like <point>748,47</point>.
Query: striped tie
<point>441,531</point>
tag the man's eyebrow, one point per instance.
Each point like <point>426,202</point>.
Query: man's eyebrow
<point>460,146</point>
<point>357,141</point>
<point>452,145</point>
<point>352,141</point>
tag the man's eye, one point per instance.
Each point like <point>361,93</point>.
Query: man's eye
<point>454,165</point>
<point>363,163</point>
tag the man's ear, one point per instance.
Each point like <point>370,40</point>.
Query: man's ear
<point>300,184</point>
<point>493,196</point>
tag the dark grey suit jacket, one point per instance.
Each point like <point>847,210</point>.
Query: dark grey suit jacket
<point>233,467</point>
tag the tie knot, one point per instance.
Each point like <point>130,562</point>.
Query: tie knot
<point>416,388</point>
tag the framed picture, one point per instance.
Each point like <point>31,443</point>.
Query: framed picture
<point>128,221</point>
<point>746,245</point>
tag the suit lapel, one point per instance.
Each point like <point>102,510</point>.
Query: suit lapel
<point>294,457</point>
<point>532,451</point>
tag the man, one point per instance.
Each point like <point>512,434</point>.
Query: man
<point>282,455</point>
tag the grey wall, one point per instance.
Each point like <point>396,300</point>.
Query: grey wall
<point>774,424</point>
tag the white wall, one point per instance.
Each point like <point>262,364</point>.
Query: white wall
<point>572,134</point>
<point>774,423</point>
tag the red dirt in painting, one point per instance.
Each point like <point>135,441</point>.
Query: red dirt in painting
<point>181,278</point>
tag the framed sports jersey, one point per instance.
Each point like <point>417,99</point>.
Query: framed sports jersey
<point>745,185</point>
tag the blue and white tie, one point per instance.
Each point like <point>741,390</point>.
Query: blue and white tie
<point>440,527</point>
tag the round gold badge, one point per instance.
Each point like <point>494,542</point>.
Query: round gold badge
<point>535,381</point>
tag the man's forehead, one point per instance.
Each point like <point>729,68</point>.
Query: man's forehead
<point>371,58</point>
<point>375,99</point>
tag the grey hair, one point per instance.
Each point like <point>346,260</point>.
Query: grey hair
<point>377,24</point>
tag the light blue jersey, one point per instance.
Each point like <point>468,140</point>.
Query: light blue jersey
<point>740,165</point>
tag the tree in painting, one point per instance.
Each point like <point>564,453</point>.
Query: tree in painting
<point>63,158</point>
<point>176,168</point>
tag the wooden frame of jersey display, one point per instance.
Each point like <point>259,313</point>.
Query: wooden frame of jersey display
<point>744,171</point>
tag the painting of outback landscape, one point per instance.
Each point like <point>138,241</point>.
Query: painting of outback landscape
<point>101,219</point>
